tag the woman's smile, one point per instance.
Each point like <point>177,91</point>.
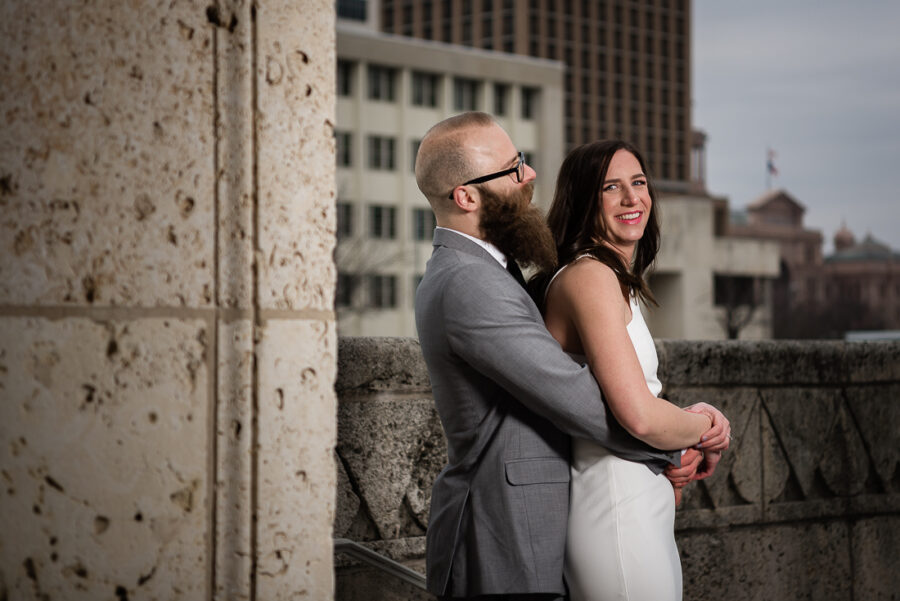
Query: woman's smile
<point>632,218</point>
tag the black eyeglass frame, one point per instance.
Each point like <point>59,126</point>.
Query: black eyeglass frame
<point>519,170</point>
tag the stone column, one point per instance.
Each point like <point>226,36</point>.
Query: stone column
<point>167,339</point>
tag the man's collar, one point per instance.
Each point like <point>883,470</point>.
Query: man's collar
<point>492,250</point>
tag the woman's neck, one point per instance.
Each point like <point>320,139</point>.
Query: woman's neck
<point>626,254</point>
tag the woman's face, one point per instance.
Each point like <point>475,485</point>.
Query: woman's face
<point>624,202</point>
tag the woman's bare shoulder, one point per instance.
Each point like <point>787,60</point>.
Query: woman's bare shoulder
<point>588,271</point>
<point>591,288</point>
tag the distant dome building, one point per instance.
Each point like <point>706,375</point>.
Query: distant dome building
<point>843,238</point>
<point>862,283</point>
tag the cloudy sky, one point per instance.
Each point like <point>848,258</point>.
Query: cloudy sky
<point>818,81</point>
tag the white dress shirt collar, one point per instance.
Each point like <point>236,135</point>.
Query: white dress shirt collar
<point>492,250</point>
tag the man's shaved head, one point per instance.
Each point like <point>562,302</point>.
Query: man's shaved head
<point>444,160</point>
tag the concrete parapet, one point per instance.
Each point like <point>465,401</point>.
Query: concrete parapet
<point>806,503</point>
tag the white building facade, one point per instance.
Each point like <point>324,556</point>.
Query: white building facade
<point>391,90</point>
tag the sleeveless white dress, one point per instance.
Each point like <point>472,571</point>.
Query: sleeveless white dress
<point>621,537</point>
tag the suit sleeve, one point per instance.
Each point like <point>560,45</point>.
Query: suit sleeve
<point>494,326</point>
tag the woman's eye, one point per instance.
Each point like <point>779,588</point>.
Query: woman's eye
<point>640,182</point>
<point>610,188</point>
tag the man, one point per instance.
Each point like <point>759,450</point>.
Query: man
<point>507,395</point>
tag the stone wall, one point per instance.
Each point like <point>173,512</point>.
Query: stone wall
<point>167,339</point>
<point>805,505</point>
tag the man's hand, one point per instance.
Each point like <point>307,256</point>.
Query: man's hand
<point>690,461</point>
<point>680,476</point>
<point>710,461</point>
<point>718,437</point>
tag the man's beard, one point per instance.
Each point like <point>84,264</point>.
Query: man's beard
<point>517,228</point>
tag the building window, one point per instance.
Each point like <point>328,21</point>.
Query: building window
<point>529,103</point>
<point>382,222</point>
<point>346,289</point>
<point>344,220</point>
<point>465,94</point>
<point>501,99</point>
<point>352,9</point>
<point>732,291</point>
<point>388,16</point>
<point>424,89</point>
<point>382,291</point>
<point>414,150</point>
<point>487,29</point>
<point>344,78</point>
<point>447,23</point>
<point>529,158</point>
<point>344,148</point>
<point>407,18</point>
<point>466,26</point>
<point>381,153</point>
<point>381,83</point>
<point>427,13</point>
<point>423,224</point>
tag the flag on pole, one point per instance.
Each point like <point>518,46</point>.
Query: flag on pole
<point>770,162</point>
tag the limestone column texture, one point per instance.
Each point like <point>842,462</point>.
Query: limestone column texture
<point>167,337</point>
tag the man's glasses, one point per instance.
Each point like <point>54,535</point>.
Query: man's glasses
<point>519,170</point>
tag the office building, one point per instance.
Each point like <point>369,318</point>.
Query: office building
<point>627,63</point>
<point>391,89</point>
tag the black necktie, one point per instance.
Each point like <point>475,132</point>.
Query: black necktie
<point>513,268</point>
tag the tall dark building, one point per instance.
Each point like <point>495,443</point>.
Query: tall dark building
<point>628,62</point>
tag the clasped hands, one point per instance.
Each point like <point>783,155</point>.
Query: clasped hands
<point>700,461</point>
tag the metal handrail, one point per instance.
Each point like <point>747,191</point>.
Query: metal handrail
<point>377,560</point>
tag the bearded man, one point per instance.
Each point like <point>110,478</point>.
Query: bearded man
<point>507,395</point>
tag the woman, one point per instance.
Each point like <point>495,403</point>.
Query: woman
<point>621,541</point>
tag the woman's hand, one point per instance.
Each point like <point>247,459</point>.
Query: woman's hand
<point>718,437</point>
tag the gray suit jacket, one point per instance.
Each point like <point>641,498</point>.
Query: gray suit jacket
<point>508,399</point>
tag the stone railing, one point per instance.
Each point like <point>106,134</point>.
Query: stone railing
<point>806,504</point>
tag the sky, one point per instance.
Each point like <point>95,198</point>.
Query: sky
<point>817,81</point>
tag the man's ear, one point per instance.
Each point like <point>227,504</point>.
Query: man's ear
<point>466,198</point>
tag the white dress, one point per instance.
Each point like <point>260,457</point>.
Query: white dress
<point>621,538</point>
